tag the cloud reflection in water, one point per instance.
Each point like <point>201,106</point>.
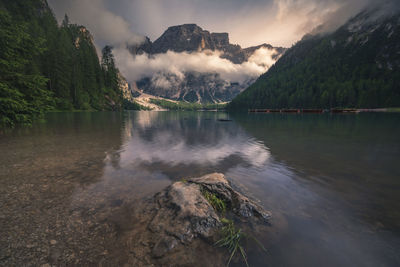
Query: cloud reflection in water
<point>188,139</point>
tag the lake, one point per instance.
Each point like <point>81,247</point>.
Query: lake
<point>331,182</point>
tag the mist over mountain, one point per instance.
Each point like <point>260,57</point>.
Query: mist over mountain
<point>357,65</point>
<point>171,64</point>
<point>191,64</point>
<point>249,23</point>
<point>192,38</point>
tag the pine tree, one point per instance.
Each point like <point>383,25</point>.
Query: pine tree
<point>23,93</point>
<point>109,69</point>
<point>65,22</point>
<point>44,66</point>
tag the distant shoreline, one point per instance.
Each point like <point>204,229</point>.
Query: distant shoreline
<point>332,110</point>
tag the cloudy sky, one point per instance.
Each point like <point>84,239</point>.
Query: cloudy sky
<point>249,22</point>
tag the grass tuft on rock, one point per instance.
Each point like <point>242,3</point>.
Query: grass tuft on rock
<point>231,239</point>
<point>217,203</point>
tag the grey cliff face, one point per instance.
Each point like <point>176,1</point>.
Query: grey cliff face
<point>191,38</point>
<point>197,87</point>
<point>183,38</point>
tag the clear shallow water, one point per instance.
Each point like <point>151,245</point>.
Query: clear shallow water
<point>332,183</point>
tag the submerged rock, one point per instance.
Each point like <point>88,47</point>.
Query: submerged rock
<point>217,184</point>
<point>178,224</point>
<point>183,214</point>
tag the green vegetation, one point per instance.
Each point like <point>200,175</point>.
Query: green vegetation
<point>393,110</point>
<point>128,105</point>
<point>217,203</point>
<point>342,69</point>
<point>232,240</point>
<point>45,67</point>
<point>231,237</point>
<point>180,105</point>
<point>184,180</point>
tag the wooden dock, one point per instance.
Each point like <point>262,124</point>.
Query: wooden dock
<point>290,110</point>
<point>264,110</point>
<point>293,110</point>
<point>286,110</point>
<point>344,110</point>
<point>312,110</point>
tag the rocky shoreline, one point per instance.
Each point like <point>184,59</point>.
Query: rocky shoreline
<point>179,224</point>
<point>175,226</point>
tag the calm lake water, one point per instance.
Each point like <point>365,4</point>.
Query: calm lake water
<point>331,182</point>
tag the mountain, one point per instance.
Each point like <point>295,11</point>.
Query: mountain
<point>192,38</point>
<point>196,86</point>
<point>45,66</point>
<point>358,65</point>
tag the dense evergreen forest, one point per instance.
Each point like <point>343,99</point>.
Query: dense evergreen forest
<point>356,66</point>
<point>181,105</point>
<point>44,66</point>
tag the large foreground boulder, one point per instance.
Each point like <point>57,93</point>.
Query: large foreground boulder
<point>180,224</point>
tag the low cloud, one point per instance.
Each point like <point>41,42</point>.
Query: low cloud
<point>322,16</point>
<point>157,66</point>
<point>252,22</point>
<point>106,26</point>
<point>279,22</point>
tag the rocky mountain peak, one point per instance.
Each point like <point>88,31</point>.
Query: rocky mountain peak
<point>196,86</point>
<point>192,38</point>
<point>183,38</point>
<point>184,28</point>
<point>220,39</point>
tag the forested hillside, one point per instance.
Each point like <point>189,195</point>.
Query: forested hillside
<point>356,66</point>
<point>44,66</point>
